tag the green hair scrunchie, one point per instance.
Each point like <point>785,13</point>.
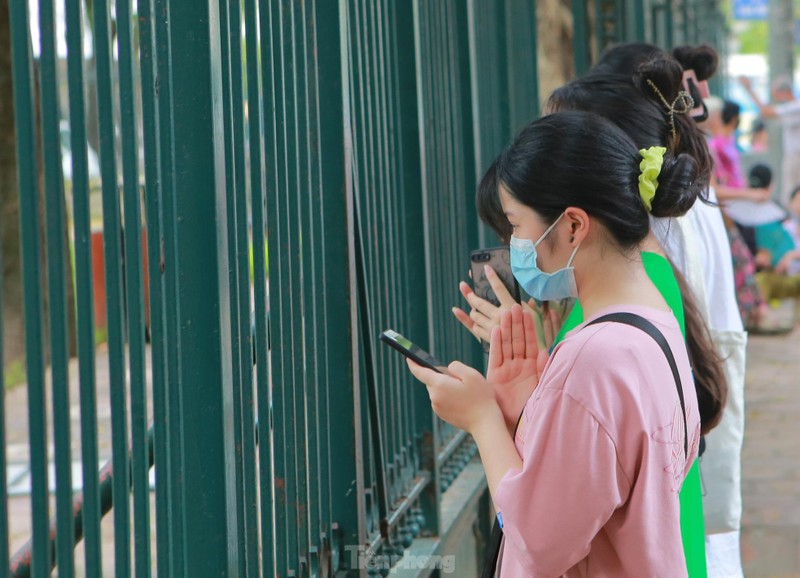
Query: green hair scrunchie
<point>650,167</point>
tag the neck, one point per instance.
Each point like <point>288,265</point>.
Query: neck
<point>611,278</point>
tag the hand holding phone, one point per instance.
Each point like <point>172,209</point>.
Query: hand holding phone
<point>416,354</point>
<point>499,259</point>
<point>495,290</point>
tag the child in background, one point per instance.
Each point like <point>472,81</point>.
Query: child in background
<point>779,250</point>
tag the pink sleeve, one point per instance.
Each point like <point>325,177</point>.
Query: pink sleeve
<point>569,486</point>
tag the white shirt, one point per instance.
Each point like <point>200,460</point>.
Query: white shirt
<point>714,250</point>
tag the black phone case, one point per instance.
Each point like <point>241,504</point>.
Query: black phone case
<point>425,360</point>
<point>499,258</point>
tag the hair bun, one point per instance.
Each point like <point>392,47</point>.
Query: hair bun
<point>703,59</point>
<point>678,188</point>
<point>665,73</point>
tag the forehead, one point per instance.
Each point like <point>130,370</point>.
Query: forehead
<point>506,198</point>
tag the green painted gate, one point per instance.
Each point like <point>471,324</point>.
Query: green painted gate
<point>278,182</point>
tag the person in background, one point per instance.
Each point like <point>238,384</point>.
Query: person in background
<point>759,138</point>
<point>781,92</point>
<point>778,245</point>
<point>730,182</point>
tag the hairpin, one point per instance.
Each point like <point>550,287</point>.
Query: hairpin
<point>682,104</point>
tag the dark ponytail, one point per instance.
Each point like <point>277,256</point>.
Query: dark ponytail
<point>710,382</point>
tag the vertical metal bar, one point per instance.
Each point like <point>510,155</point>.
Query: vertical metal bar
<point>27,178</point>
<point>428,433</point>
<point>360,169</point>
<point>366,226</point>
<point>312,249</point>
<point>260,189</point>
<point>524,81</point>
<point>57,255</point>
<point>229,36</point>
<point>240,296</point>
<point>669,27</point>
<point>155,258</point>
<point>247,425</point>
<point>84,292</point>
<point>401,394</point>
<point>279,248</point>
<point>638,19</point>
<point>600,7</point>
<point>580,36</point>
<point>382,280</point>
<point>348,509</point>
<point>167,396</point>
<point>305,372</point>
<point>290,264</point>
<point>165,338</point>
<point>402,256</point>
<point>114,289</point>
<point>134,292</point>
<point>319,414</point>
<point>210,528</point>
<point>265,200</point>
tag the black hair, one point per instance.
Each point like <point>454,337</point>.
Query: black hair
<point>760,176</point>
<point>703,59</point>
<point>633,105</point>
<point>580,159</point>
<point>710,381</point>
<point>635,63</point>
<point>730,111</point>
<point>758,126</point>
<point>625,58</point>
<point>794,193</point>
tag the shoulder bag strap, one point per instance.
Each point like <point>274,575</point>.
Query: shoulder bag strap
<point>643,324</point>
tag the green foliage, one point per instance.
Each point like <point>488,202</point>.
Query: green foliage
<point>755,38</point>
<point>14,374</point>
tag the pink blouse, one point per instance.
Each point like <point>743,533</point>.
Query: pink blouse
<point>601,441</point>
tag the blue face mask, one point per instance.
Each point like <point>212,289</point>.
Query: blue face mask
<point>538,284</point>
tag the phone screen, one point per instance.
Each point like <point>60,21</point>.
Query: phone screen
<point>413,352</point>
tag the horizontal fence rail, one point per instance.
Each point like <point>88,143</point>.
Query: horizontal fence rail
<point>221,206</point>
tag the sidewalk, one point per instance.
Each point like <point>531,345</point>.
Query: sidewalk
<point>771,458</point>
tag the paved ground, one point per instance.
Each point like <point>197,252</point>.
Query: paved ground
<point>771,459</point>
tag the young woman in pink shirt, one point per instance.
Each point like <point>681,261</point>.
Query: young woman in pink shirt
<point>588,483</point>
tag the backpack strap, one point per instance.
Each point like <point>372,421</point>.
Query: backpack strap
<point>643,324</point>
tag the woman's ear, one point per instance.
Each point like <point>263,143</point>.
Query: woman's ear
<point>578,222</point>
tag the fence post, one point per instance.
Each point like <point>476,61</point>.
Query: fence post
<point>199,264</point>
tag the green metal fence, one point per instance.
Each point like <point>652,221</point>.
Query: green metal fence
<point>279,182</point>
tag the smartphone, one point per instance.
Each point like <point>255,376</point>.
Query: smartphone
<point>418,355</point>
<point>499,258</point>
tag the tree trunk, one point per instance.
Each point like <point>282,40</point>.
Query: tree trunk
<point>13,349</point>
<point>554,45</point>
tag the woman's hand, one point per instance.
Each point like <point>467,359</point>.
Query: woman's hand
<point>483,315</point>
<point>464,398</point>
<point>515,362</point>
<point>549,318</point>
